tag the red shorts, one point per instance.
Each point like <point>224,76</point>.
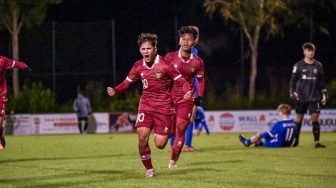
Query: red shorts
<point>184,110</point>
<point>2,107</point>
<point>158,122</point>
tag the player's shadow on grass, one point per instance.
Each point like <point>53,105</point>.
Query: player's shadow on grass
<point>212,163</point>
<point>217,148</point>
<point>177,171</point>
<point>58,158</point>
<point>70,177</point>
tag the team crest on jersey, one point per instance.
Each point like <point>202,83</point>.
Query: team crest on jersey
<point>315,71</point>
<point>158,74</point>
<point>193,69</point>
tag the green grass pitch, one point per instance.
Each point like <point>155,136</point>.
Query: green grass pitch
<point>112,160</point>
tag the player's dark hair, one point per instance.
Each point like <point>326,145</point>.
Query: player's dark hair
<point>284,108</point>
<point>147,37</point>
<point>188,29</point>
<point>308,45</point>
<point>81,92</point>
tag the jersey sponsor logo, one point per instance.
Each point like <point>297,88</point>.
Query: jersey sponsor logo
<point>158,74</point>
<point>304,70</point>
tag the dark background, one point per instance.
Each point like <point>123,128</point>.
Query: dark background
<point>84,50</point>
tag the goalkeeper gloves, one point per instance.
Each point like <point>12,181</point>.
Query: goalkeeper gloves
<point>324,97</point>
<point>198,101</point>
<point>294,96</point>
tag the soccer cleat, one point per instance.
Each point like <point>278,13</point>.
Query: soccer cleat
<point>189,149</point>
<point>172,164</point>
<point>318,145</point>
<point>2,142</point>
<point>296,143</point>
<point>243,140</point>
<point>150,173</point>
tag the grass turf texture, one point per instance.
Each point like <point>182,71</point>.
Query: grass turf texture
<point>112,160</point>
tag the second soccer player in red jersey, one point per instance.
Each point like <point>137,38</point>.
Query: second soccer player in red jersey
<point>189,65</point>
<point>6,64</point>
<point>155,110</point>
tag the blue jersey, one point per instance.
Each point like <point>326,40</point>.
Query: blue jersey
<point>200,120</point>
<point>281,134</point>
<point>194,51</point>
<point>200,116</point>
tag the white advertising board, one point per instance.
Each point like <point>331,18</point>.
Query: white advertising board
<point>218,121</point>
<point>261,120</point>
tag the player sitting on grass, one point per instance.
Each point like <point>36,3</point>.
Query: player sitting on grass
<point>281,134</point>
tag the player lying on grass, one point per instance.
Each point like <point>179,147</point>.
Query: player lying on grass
<point>281,134</point>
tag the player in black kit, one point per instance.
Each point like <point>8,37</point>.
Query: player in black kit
<point>307,88</point>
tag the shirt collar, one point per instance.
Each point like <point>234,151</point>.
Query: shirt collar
<point>156,61</point>
<point>180,56</point>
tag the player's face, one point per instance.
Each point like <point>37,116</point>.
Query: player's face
<point>148,52</point>
<point>187,41</point>
<point>309,53</point>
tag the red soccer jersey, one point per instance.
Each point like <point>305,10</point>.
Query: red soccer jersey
<point>6,64</point>
<point>188,69</point>
<point>157,82</point>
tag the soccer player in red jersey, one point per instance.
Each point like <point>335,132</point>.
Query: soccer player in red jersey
<point>6,64</point>
<point>155,110</point>
<point>189,65</point>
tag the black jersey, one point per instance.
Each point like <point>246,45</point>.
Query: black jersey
<point>308,81</point>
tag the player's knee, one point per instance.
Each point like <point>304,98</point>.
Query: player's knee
<point>160,145</point>
<point>143,140</point>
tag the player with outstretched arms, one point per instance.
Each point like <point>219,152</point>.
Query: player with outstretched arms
<point>188,65</point>
<point>6,64</point>
<point>280,135</point>
<point>155,110</point>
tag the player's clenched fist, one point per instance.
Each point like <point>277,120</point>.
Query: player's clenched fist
<point>188,95</point>
<point>110,91</point>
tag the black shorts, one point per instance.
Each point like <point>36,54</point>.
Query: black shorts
<point>83,118</point>
<point>307,107</point>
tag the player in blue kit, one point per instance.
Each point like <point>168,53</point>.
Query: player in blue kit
<point>281,134</point>
<point>200,122</point>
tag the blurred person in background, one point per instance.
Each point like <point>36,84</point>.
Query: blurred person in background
<point>82,108</point>
<point>195,127</point>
